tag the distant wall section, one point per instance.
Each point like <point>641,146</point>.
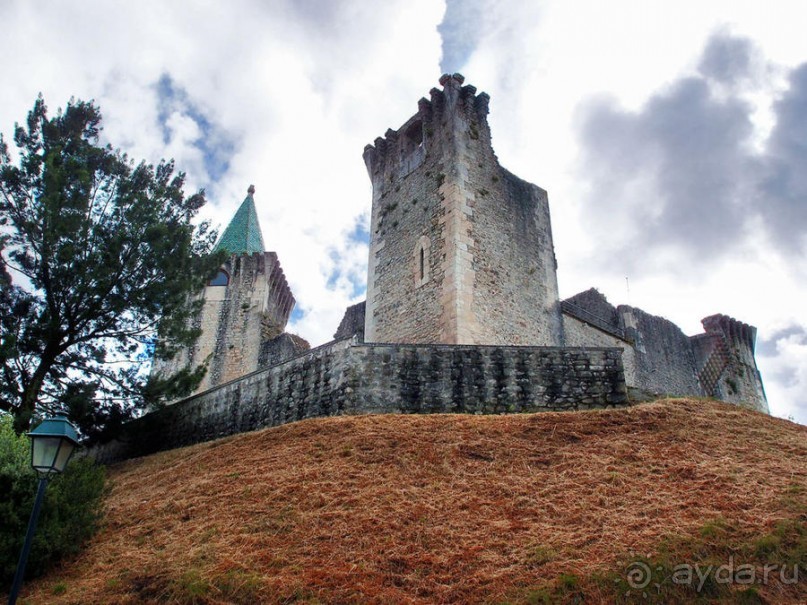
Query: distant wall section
<point>664,361</point>
<point>580,333</point>
<point>352,323</point>
<point>660,359</point>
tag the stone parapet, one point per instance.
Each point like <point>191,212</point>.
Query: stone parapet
<point>345,377</point>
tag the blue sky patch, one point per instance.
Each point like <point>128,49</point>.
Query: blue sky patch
<point>216,146</point>
<point>360,233</point>
<point>297,313</point>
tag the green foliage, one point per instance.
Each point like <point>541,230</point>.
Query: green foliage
<point>733,387</point>
<point>540,555</point>
<point>716,528</point>
<point>786,544</point>
<point>70,512</point>
<point>109,258</point>
<point>240,586</point>
<point>387,209</point>
<point>563,589</point>
<point>190,588</point>
<point>59,588</point>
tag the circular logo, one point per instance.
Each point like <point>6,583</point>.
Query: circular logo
<point>638,575</point>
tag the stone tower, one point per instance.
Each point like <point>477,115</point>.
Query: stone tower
<point>245,305</point>
<point>461,250</point>
<point>727,367</point>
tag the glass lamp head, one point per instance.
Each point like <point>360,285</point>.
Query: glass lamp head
<point>52,444</point>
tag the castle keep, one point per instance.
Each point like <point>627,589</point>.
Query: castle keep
<point>462,311</point>
<point>460,249</point>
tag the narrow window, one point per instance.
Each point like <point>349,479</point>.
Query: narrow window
<point>420,265</point>
<point>221,279</point>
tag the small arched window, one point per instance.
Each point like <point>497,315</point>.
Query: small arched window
<point>221,279</point>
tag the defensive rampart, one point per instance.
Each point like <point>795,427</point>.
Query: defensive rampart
<point>345,377</point>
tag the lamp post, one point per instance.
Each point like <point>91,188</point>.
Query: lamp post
<point>52,445</point>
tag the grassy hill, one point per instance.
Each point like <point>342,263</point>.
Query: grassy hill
<point>542,508</point>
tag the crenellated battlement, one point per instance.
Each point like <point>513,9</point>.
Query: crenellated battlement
<point>731,329</point>
<point>456,110</point>
<point>261,274</point>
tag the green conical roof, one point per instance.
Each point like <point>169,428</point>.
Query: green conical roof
<point>243,234</point>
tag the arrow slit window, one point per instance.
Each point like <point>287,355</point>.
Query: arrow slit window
<point>422,261</point>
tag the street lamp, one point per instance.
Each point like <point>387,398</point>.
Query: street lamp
<point>52,444</point>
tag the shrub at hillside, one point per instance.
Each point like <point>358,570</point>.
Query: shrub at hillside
<point>69,515</point>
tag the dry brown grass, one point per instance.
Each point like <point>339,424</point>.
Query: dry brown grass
<point>428,509</point>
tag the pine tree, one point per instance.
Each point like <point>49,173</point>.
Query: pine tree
<point>98,258</point>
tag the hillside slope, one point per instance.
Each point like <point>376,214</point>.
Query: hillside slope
<point>454,508</point>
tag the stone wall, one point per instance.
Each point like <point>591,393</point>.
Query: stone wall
<point>280,349</point>
<point>658,356</point>
<point>664,360</point>
<point>352,323</point>
<point>484,379</point>
<point>579,333</point>
<point>592,306</point>
<point>461,250</point>
<point>659,359</point>
<point>349,378</point>
<point>719,363</point>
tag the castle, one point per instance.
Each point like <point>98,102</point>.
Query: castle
<point>462,311</point>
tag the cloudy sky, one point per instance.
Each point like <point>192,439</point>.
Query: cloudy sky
<point>671,136</point>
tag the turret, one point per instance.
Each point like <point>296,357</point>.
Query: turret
<point>245,305</point>
<point>727,368</point>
